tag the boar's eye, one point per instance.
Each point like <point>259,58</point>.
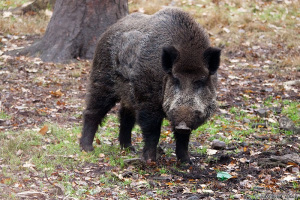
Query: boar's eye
<point>199,84</point>
<point>176,81</point>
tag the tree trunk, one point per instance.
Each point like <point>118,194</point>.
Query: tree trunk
<point>75,27</point>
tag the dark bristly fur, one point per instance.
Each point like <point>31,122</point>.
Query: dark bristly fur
<point>157,66</point>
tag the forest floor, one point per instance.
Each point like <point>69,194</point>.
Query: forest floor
<point>249,150</point>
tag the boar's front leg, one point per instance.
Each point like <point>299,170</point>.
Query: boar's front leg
<point>127,121</point>
<point>150,124</point>
<point>182,144</point>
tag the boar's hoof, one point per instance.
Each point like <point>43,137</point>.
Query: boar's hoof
<point>149,155</point>
<point>186,161</point>
<point>182,128</point>
<point>150,162</point>
<point>87,148</point>
<point>184,158</point>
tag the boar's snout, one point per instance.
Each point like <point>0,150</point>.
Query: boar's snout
<point>182,128</point>
<point>184,119</point>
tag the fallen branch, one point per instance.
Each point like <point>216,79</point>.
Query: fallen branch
<point>60,189</point>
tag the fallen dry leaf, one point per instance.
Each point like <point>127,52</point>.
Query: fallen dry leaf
<point>56,94</point>
<point>44,130</point>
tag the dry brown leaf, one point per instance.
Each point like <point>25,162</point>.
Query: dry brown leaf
<point>266,147</point>
<point>56,94</point>
<point>98,141</point>
<point>44,130</point>
<point>293,164</point>
<point>60,103</point>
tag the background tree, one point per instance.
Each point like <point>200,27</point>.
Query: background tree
<point>74,29</point>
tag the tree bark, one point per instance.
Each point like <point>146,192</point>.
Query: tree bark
<point>75,27</point>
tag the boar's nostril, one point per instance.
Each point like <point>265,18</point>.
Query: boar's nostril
<point>182,127</point>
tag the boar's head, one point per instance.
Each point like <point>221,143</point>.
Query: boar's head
<point>190,86</point>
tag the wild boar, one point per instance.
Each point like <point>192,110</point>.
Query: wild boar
<point>156,66</point>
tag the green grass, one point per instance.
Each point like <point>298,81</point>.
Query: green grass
<point>5,4</point>
<point>233,128</point>
<point>202,150</point>
<point>166,122</point>
<point>58,148</point>
<point>3,115</point>
<point>291,110</point>
<point>163,170</point>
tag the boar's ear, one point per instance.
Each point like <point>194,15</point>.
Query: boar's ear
<point>169,56</point>
<point>212,57</point>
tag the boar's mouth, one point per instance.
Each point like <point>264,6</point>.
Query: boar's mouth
<point>182,128</point>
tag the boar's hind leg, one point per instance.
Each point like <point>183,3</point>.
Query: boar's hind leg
<point>182,143</point>
<point>127,121</point>
<point>99,102</point>
<point>150,124</point>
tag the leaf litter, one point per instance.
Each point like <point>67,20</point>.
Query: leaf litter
<point>34,93</point>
